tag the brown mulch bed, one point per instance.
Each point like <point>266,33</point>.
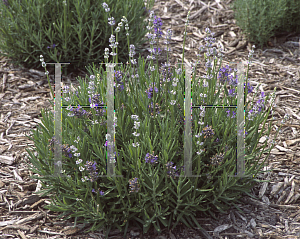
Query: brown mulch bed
<point>24,92</point>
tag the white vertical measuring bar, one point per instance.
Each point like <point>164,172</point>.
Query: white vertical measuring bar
<point>240,121</point>
<point>57,121</point>
<point>188,125</point>
<point>110,96</point>
<point>110,122</point>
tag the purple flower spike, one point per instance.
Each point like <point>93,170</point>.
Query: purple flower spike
<point>5,2</point>
<point>157,24</point>
<point>51,46</point>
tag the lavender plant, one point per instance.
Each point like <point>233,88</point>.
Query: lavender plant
<point>64,30</point>
<point>149,119</point>
<point>291,20</point>
<point>260,18</point>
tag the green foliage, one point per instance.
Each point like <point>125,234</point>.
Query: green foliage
<point>79,30</point>
<point>260,18</point>
<point>150,194</point>
<point>291,21</point>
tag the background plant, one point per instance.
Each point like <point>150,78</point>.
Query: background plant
<point>149,142</point>
<point>260,18</point>
<point>67,31</point>
<point>291,21</point>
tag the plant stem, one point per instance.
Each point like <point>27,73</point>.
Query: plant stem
<point>184,38</point>
<point>157,66</point>
<point>117,51</point>
<point>49,84</point>
<point>65,31</point>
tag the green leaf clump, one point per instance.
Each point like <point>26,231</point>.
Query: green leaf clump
<point>260,19</point>
<point>64,31</point>
<point>291,21</point>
